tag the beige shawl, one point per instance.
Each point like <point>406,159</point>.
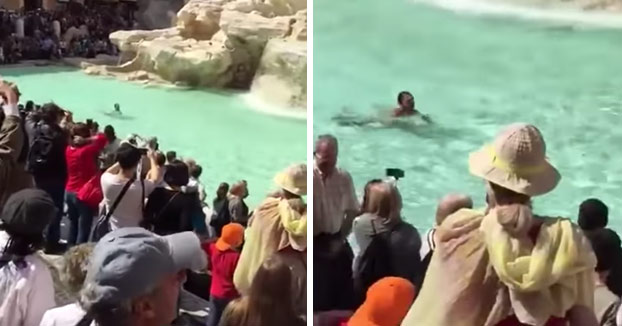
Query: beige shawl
<point>276,224</point>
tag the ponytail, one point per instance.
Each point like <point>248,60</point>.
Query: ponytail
<point>18,247</point>
<point>513,210</point>
<point>516,219</point>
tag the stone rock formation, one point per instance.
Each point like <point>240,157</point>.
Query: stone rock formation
<point>244,44</point>
<point>154,14</point>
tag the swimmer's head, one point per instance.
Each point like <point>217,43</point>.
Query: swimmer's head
<point>117,107</point>
<point>406,100</point>
<point>326,150</point>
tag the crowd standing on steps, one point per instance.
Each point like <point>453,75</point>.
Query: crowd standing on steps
<point>139,228</point>
<point>73,30</point>
<point>500,265</point>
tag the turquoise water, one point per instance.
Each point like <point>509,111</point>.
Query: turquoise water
<point>230,141</point>
<point>472,75</point>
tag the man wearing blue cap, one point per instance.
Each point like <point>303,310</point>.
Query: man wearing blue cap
<point>134,278</point>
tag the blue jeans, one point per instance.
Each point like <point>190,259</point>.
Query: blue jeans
<point>217,307</point>
<point>80,218</point>
<point>56,189</point>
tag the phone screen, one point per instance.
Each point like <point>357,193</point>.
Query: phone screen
<point>395,173</point>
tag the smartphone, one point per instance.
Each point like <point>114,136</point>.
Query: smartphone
<point>396,173</point>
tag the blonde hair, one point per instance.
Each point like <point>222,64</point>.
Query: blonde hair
<point>270,300</point>
<point>382,199</point>
<point>74,266</point>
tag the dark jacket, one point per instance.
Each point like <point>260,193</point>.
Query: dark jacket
<point>13,176</point>
<point>238,210</point>
<point>57,164</point>
<point>170,211</point>
<point>405,243</point>
<point>403,240</point>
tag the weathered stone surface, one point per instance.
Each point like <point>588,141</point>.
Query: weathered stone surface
<point>156,14</point>
<point>199,19</point>
<point>252,31</point>
<point>281,78</point>
<point>198,63</point>
<point>245,44</point>
<point>128,41</point>
<point>299,27</point>
<point>269,8</point>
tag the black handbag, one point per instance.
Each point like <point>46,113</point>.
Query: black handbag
<point>221,218</point>
<point>102,227</point>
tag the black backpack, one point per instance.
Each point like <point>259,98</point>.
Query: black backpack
<point>222,218</point>
<point>374,264</point>
<point>41,150</point>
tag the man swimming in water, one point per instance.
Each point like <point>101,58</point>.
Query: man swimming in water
<point>406,107</point>
<point>117,108</point>
<point>392,118</point>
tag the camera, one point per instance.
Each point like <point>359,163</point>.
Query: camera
<point>143,145</point>
<point>395,173</point>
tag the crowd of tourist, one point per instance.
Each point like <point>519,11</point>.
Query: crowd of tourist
<point>501,265</point>
<point>45,35</point>
<point>139,225</point>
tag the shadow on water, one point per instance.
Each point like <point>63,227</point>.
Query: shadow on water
<point>435,131</point>
<point>118,116</point>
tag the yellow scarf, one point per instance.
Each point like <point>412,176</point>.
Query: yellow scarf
<point>293,222</point>
<point>546,278</point>
<point>276,224</point>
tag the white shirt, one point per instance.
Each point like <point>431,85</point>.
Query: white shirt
<point>112,146</point>
<point>68,315</point>
<point>26,293</point>
<point>619,316</point>
<point>603,299</point>
<point>332,197</point>
<point>129,212</point>
<point>10,110</point>
<point>195,185</point>
<point>429,244</point>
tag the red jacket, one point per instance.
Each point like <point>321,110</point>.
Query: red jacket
<point>222,264</point>
<point>82,162</point>
<point>91,193</point>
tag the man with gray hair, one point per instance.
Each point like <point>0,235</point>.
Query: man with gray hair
<point>134,278</point>
<point>334,207</point>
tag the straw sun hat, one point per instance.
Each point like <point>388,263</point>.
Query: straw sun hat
<point>293,179</point>
<point>516,160</point>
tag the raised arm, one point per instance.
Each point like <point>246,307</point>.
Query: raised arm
<point>156,172</point>
<point>11,134</point>
<point>114,169</point>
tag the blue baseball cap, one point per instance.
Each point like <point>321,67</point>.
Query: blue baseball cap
<point>128,262</point>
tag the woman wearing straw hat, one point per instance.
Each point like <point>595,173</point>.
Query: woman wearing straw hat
<point>278,227</point>
<point>519,268</point>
